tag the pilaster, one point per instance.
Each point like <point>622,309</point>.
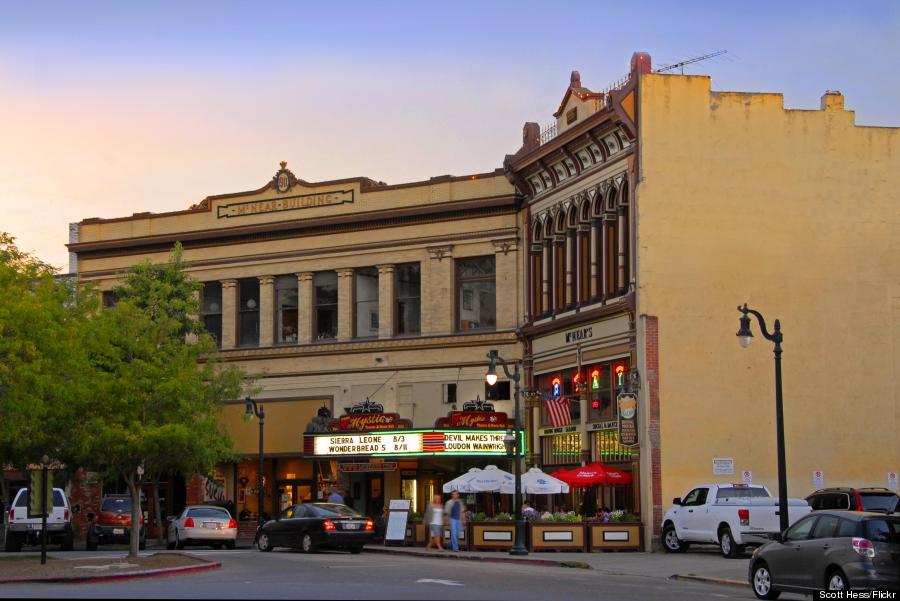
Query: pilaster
<point>266,310</point>
<point>438,296</point>
<point>345,304</point>
<point>304,307</point>
<point>386,304</point>
<point>507,282</point>
<point>230,303</point>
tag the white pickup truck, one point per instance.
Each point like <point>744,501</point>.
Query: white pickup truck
<point>732,515</point>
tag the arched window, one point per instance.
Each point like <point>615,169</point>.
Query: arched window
<point>559,262</point>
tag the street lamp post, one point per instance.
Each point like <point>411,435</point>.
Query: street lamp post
<point>257,409</point>
<point>744,337</point>
<point>491,378</point>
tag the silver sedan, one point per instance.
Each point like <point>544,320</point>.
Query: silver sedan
<point>202,525</point>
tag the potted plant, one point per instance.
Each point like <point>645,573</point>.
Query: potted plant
<point>561,531</point>
<point>415,530</point>
<point>621,532</point>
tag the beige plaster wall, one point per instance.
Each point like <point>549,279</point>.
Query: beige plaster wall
<point>796,212</point>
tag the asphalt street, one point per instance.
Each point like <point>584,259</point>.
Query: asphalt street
<point>282,574</point>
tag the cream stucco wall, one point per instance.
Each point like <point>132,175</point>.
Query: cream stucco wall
<point>796,212</point>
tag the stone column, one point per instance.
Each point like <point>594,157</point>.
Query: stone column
<point>570,267</point>
<point>386,301</point>
<point>546,266</point>
<point>438,295</point>
<point>266,310</point>
<point>620,245</point>
<point>595,240</point>
<point>304,307</point>
<point>604,259</point>
<point>507,282</point>
<point>345,304</point>
<point>230,302</point>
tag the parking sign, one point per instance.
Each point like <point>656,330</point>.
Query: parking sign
<point>818,478</point>
<point>892,481</point>
<point>747,477</point>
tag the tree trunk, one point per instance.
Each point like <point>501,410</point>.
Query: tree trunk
<point>154,482</point>
<point>134,543</point>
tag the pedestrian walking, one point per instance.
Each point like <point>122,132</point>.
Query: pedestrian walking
<point>335,496</point>
<point>434,520</point>
<point>456,515</point>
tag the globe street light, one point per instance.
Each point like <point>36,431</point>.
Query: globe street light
<point>745,336</point>
<point>257,409</point>
<point>516,442</point>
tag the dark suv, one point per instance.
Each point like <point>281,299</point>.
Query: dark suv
<point>882,500</point>
<point>113,523</point>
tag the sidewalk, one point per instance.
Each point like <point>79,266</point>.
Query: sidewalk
<point>704,565</point>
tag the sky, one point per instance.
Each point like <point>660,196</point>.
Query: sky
<point>113,108</point>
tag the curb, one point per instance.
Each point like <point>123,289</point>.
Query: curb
<point>539,562</point>
<point>710,580</point>
<point>207,565</point>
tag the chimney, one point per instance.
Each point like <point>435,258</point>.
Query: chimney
<point>575,80</point>
<point>531,136</point>
<point>832,100</point>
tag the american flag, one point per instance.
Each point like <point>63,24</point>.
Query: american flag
<point>558,410</point>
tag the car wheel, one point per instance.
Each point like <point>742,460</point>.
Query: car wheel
<point>170,545</point>
<point>836,581</point>
<point>356,550</point>
<point>229,545</point>
<point>262,542</point>
<point>727,546</point>
<point>179,544</point>
<point>762,582</point>
<point>670,540</point>
<point>306,544</point>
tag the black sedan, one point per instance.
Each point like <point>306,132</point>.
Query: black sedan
<point>311,526</point>
<point>830,550</point>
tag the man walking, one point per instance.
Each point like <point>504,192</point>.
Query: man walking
<point>335,496</point>
<point>456,513</point>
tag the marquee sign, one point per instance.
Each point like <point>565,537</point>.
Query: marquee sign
<point>407,443</point>
<point>364,422</point>
<point>491,420</point>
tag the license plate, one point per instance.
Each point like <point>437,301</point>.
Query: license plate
<point>34,526</point>
<point>118,530</point>
<point>351,526</point>
<point>212,525</point>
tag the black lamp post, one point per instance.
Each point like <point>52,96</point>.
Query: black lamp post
<point>745,336</point>
<point>257,409</point>
<point>491,378</point>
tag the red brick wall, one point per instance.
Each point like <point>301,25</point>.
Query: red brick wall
<point>651,355</point>
<point>86,492</point>
<point>195,493</point>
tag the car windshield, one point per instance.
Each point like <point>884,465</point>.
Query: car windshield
<point>333,510</point>
<point>883,530</point>
<point>58,500</point>
<point>208,512</point>
<point>112,505</point>
<point>737,492</point>
<point>872,501</point>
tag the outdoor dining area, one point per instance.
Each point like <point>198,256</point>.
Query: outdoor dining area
<point>492,489</point>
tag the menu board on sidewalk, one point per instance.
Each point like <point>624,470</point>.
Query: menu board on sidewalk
<point>398,517</point>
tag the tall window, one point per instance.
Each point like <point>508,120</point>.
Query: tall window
<point>286,307</point>
<point>584,266</point>
<point>537,297</point>
<point>603,381</point>
<point>476,293</point>
<point>365,293</point>
<point>559,275</point>
<point>325,313</point>
<point>612,266</point>
<point>409,298</point>
<point>249,312</point>
<point>211,310</point>
<point>109,299</point>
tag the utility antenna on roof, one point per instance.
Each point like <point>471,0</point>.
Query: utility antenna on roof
<point>681,64</point>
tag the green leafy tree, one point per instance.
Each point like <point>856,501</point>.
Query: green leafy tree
<point>158,388</point>
<point>42,361</point>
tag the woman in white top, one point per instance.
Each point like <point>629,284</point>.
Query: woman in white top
<point>434,521</point>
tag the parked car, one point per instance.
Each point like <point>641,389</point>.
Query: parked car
<point>112,525</point>
<point>732,515</point>
<point>833,550</point>
<point>202,525</point>
<point>855,499</point>
<point>23,530</point>
<point>310,526</point>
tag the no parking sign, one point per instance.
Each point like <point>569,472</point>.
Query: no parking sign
<point>747,477</point>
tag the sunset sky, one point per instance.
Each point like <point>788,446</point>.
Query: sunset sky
<point>111,108</point>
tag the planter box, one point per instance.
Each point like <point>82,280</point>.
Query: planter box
<point>487,536</point>
<point>556,536</point>
<point>415,534</point>
<point>622,536</point>
<point>463,539</point>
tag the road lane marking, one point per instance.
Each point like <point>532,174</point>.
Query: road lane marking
<point>435,581</point>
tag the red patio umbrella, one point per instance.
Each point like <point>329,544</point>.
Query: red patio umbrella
<point>594,473</point>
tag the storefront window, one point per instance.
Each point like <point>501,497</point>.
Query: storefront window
<point>211,310</point>
<point>409,292</point>
<point>325,284</point>
<point>603,381</point>
<point>476,293</point>
<point>561,449</point>
<point>249,312</point>
<point>560,383</point>
<point>408,488</point>
<point>286,308</point>
<point>365,293</point>
<point>607,447</point>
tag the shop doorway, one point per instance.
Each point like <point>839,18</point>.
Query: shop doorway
<point>294,492</point>
<point>366,493</point>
